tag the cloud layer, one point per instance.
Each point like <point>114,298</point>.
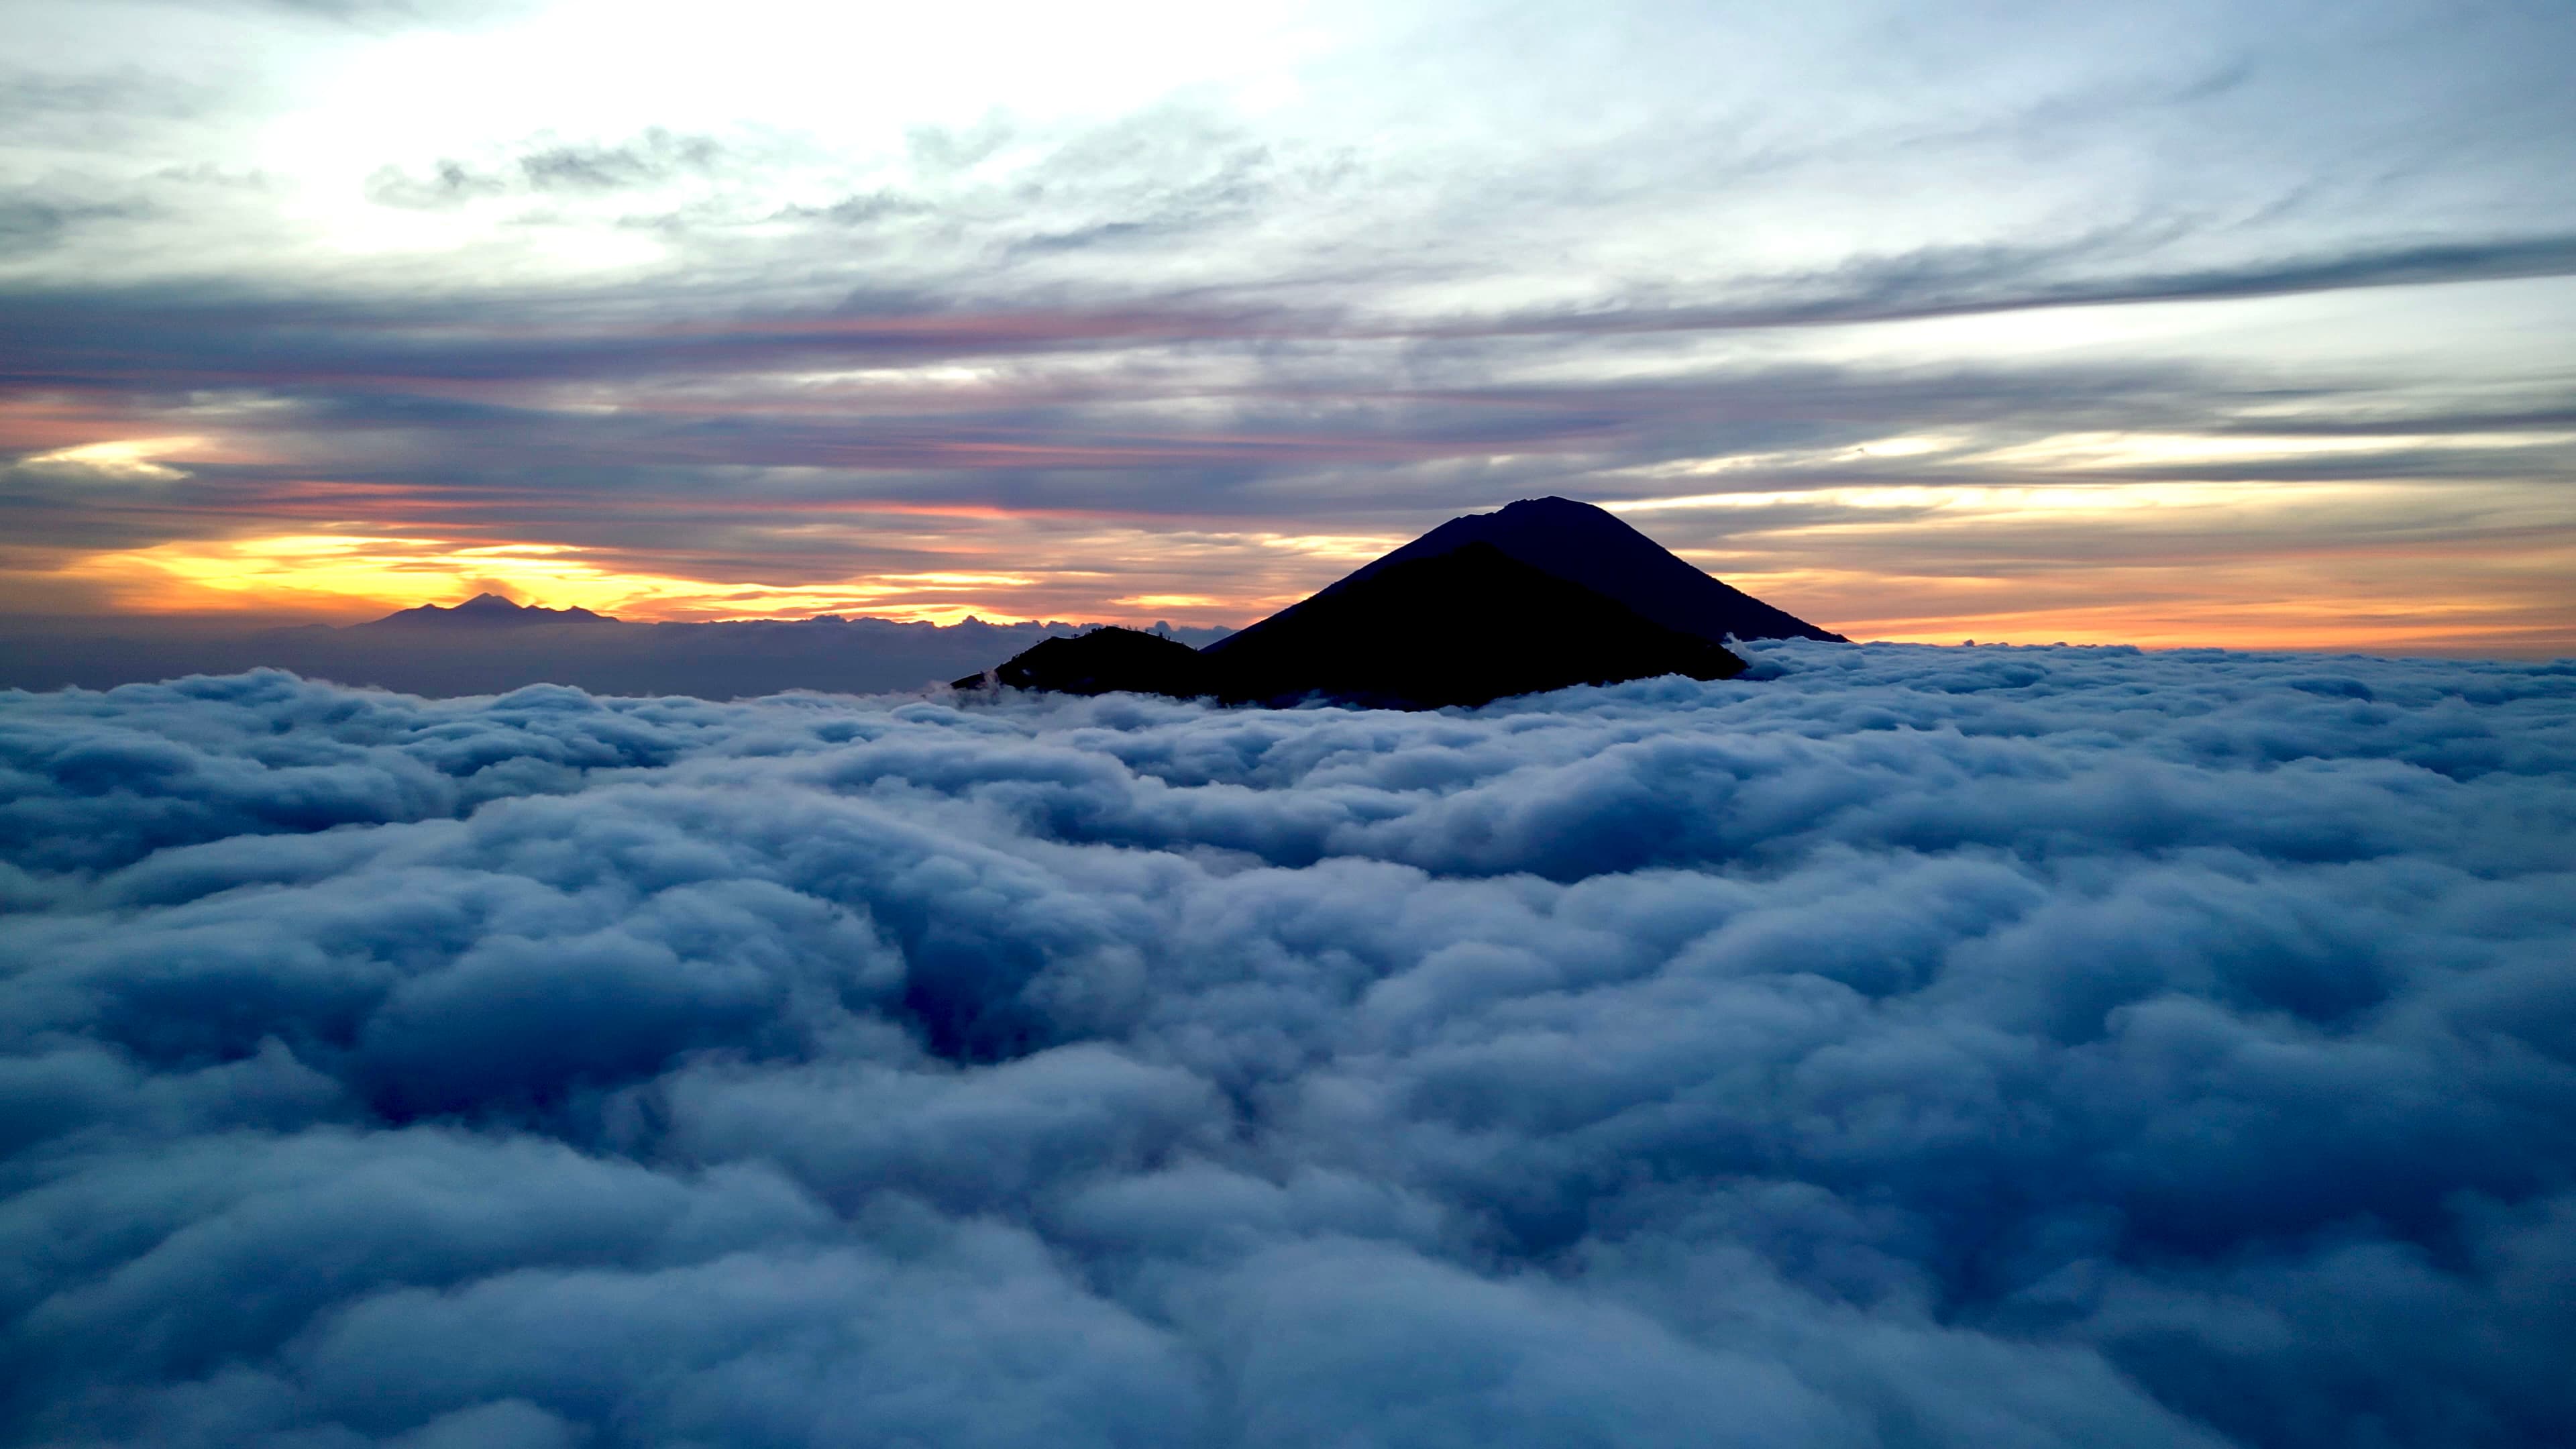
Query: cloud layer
<point>1907,1047</point>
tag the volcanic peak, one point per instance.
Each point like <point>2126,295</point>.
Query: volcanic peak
<point>1543,594</point>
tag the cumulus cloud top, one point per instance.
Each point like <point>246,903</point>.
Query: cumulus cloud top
<point>1903,1047</point>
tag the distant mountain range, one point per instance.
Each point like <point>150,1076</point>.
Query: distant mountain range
<point>483,611</point>
<point>1543,594</point>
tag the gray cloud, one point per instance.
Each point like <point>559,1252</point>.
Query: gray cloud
<point>449,183</point>
<point>651,158</point>
<point>1999,279</point>
<point>1909,1047</point>
<point>33,221</point>
<point>375,13</point>
<point>93,108</point>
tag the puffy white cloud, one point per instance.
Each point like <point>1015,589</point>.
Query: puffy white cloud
<point>1903,1047</point>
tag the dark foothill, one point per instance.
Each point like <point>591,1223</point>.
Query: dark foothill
<point>1101,662</point>
<point>1587,545</point>
<point>1464,626</point>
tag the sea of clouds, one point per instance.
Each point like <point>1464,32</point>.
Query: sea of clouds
<point>1898,1047</point>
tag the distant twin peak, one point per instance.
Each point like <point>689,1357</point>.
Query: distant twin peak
<point>488,609</point>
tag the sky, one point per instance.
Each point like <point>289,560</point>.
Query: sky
<point>2245,324</point>
<point>1895,1048</point>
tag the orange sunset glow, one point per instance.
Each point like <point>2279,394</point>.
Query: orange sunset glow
<point>1947,562</point>
<point>355,576</point>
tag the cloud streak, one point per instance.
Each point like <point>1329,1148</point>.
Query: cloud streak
<point>1998,280</point>
<point>1909,1047</point>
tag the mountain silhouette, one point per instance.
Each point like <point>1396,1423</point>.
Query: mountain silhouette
<point>483,611</point>
<point>1541,595</point>
<point>1586,545</point>
<point>1106,661</point>
<point>1462,626</point>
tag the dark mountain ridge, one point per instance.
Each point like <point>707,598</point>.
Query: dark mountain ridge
<point>1476,625</point>
<point>1587,545</point>
<point>1462,626</point>
<point>1468,613</point>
